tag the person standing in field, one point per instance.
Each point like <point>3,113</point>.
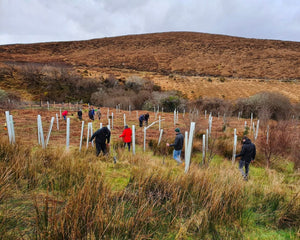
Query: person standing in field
<point>141,119</point>
<point>98,113</point>
<point>248,154</point>
<point>178,145</point>
<point>102,139</point>
<point>79,114</point>
<point>146,119</point>
<point>64,114</point>
<point>91,114</point>
<point>126,135</point>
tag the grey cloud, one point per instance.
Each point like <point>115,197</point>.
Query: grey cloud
<point>57,20</point>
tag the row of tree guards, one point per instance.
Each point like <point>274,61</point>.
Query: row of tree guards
<point>188,136</point>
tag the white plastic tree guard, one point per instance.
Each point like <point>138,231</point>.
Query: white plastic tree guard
<point>57,123</point>
<point>101,125</point>
<point>112,120</point>
<point>251,121</point>
<point>107,113</point>
<point>257,127</point>
<point>159,123</point>
<point>89,134</point>
<point>206,140</point>
<point>145,130</point>
<point>81,136</point>
<point>160,136</point>
<point>8,126</point>
<point>60,113</point>
<point>203,149</point>
<point>268,132</point>
<point>174,117</point>
<point>185,145</point>
<point>40,131</point>
<point>50,129</point>
<point>205,114</point>
<point>68,134</point>
<point>133,139</point>
<point>12,129</point>
<point>234,146</point>
<point>190,144</point>
<point>210,124</point>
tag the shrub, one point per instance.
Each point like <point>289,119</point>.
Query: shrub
<point>265,105</point>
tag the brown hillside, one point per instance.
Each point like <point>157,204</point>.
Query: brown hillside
<point>197,64</point>
<point>184,53</point>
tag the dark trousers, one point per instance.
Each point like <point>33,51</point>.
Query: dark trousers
<point>141,123</point>
<point>100,147</point>
<point>128,144</point>
<point>243,164</point>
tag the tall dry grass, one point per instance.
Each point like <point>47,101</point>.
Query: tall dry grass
<point>72,196</point>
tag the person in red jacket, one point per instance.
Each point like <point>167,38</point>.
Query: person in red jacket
<point>126,135</point>
<point>64,114</point>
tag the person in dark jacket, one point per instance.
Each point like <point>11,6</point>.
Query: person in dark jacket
<point>247,156</point>
<point>102,136</point>
<point>178,145</point>
<point>141,119</point>
<point>79,114</point>
<point>91,114</point>
<point>146,119</point>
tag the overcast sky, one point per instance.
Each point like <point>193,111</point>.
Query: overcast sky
<point>30,21</point>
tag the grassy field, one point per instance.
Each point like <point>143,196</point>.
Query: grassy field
<point>59,194</point>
